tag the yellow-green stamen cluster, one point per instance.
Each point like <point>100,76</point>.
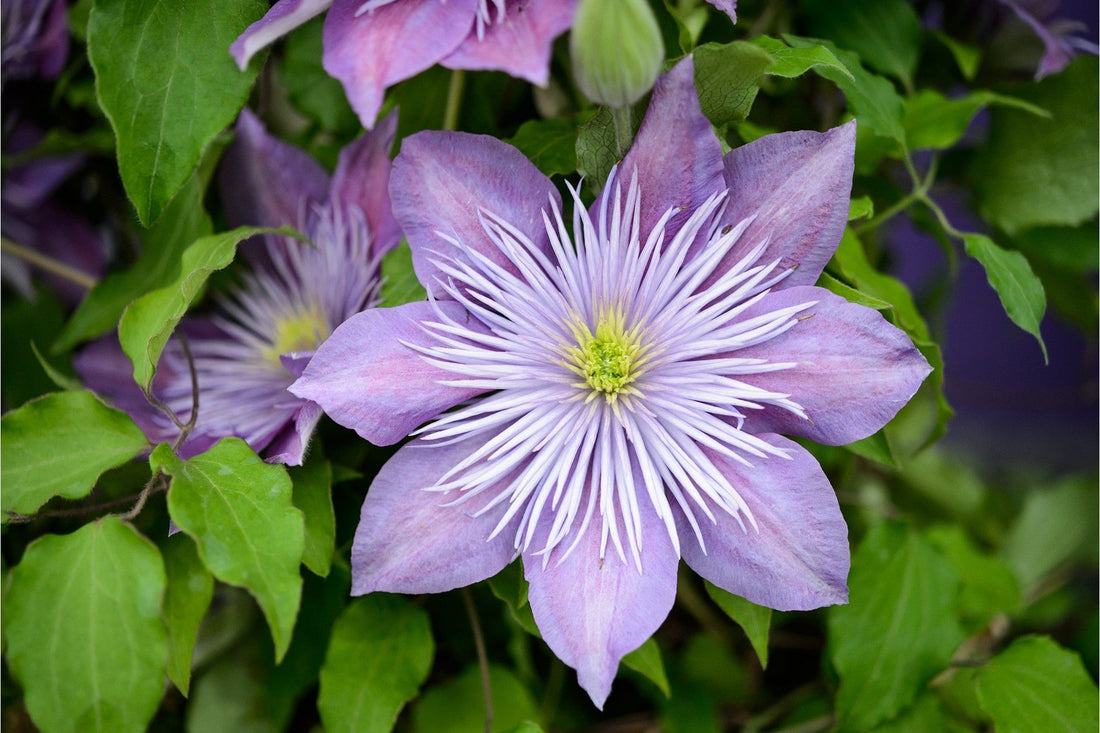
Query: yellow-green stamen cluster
<point>302,330</point>
<point>608,359</point>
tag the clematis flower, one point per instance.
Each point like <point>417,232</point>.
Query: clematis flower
<point>35,39</point>
<point>606,398</point>
<point>292,298</point>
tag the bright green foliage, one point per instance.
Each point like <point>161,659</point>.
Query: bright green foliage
<point>238,510</point>
<point>646,660</point>
<point>934,121</point>
<point>84,633</point>
<point>379,656</point>
<point>1041,172</point>
<point>1009,273</point>
<point>186,599</point>
<point>148,322</point>
<point>399,283</point>
<point>549,144</point>
<point>1036,685</point>
<point>58,445</point>
<point>753,619</point>
<point>899,628</point>
<point>313,496</point>
<point>458,705</point>
<point>875,447</point>
<point>164,243</point>
<point>886,34</point>
<point>791,62</point>
<point>727,78</point>
<point>165,79</point>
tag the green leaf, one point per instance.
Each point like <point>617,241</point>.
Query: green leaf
<point>1036,685</point>
<point>850,294</point>
<point>238,510</point>
<point>967,57</point>
<point>550,144</point>
<point>851,261</point>
<point>988,585</point>
<point>1044,172</point>
<point>1072,249</point>
<point>923,716</point>
<point>646,660</point>
<point>872,99</point>
<point>233,694</point>
<point>21,323</point>
<point>1010,274</point>
<point>727,78</point>
<point>1054,526</point>
<point>458,705</point>
<point>525,727</point>
<point>861,207</point>
<point>148,322</point>
<point>899,628</point>
<point>59,445</point>
<point>190,590</point>
<point>309,88</point>
<point>753,619</point>
<point>876,448</point>
<point>163,245</point>
<point>61,381</point>
<point>399,283</point>
<point>791,62</point>
<point>596,146</point>
<point>934,121</point>
<point>379,655</point>
<point>83,628</point>
<point>313,496</point>
<point>510,586</point>
<point>885,33</point>
<point>166,81</point>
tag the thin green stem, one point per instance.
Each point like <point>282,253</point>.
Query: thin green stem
<point>482,658</point>
<point>624,129</point>
<point>454,99</point>
<point>48,264</point>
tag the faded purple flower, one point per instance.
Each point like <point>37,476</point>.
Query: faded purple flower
<point>619,385</point>
<point>369,45</point>
<point>1059,42</point>
<point>292,298</point>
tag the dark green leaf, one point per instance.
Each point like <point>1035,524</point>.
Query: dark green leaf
<point>379,655</point>
<point>84,633</point>
<point>646,660</point>
<point>233,695</point>
<point>310,89</point>
<point>399,283</point>
<point>59,445</point>
<point>163,245</point>
<point>791,62</point>
<point>753,619</point>
<point>1055,525</point>
<point>550,144</point>
<point>190,589</point>
<point>596,147</point>
<point>886,34</point>
<point>1072,249</point>
<point>149,321</point>
<point>923,716</point>
<point>458,706</point>
<point>1044,172</point>
<point>1010,274</point>
<point>238,510</point>
<point>968,57</point>
<point>61,381</point>
<point>876,448</point>
<point>1036,685</point>
<point>510,586</point>
<point>313,496</point>
<point>988,584</point>
<point>899,628</point>
<point>934,121</point>
<point>21,323</point>
<point>166,81</point>
<point>727,78</point>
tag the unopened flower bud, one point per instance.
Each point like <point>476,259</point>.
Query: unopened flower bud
<point>617,50</point>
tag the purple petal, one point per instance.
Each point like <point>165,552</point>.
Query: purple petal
<point>409,542</point>
<point>519,45</point>
<point>367,379</point>
<point>440,182</point>
<point>855,370</point>
<point>370,52</point>
<point>289,445</point>
<point>1055,56</point>
<point>797,185</point>
<point>362,179</point>
<point>284,16</point>
<point>797,557</point>
<point>592,612</point>
<point>676,154</point>
<point>729,7</point>
<point>267,182</point>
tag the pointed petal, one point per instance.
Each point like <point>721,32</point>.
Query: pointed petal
<point>798,557</point>
<point>370,52</point>
<point>592,612</point>
<point>367,380</point>
<point>289,446</point>
<point>407,542</point>
<point>855,370</point>
<point>1055,54</point>
<point>268,182</point>
<point>677,156</point>
<point>362,179</point>
<point>519,45</point>
<point>797,185</point>
<point>440,182</point>
<point>729,7</point>
<point>284,16</point>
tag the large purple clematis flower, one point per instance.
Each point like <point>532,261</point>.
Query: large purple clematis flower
<point>618,386</point>
<point>293,297</point>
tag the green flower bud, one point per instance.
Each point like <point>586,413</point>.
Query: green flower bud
<point>617,50</point>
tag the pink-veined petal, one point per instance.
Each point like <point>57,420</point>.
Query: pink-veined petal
<point>362,179</point>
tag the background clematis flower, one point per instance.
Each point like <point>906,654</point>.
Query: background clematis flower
<point>294,295</point>
<point>619,386</point>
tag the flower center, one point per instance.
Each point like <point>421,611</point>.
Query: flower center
<point>301,330</point>
<point>608,359</point>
